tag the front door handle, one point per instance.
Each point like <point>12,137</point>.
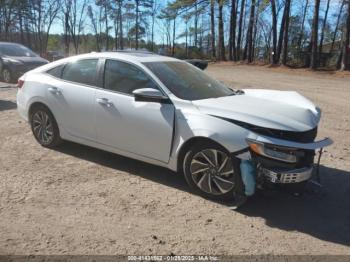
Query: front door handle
<point>104,101</point>
<point>54,90</point>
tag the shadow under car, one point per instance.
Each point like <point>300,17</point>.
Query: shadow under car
<point>325,216</point>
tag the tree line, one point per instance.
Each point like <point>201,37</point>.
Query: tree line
<point>308,33</point>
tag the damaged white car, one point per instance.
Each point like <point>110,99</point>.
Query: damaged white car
<point>167,112</point>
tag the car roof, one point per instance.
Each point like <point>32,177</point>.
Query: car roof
<point>9,43</point>
<point>134,56</point>
<point>128,56</point>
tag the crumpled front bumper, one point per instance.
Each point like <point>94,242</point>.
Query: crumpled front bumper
<point>283,173</point>
<point>286,143</point>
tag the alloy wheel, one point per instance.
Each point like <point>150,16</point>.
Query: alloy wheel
<point>42,127</point>
<point>212,171</point>
<point>6,75</point>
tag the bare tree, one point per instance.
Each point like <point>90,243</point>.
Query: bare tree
<point>212,28</point>
<point>232,40</point>
<point>66,12</point>
<point>120,15</point>
<point>281,34</point>
<point>263,27</point>
<point>154,12</point>
<point>301,35</point>
<point>75,12</point>
<point>170,14</point>
<point>286,33</point>
<point>346,48</point>
<point>337,25</point>
<point>256,36</point>
<point>240,29</point>
<point>174,16</point>
<point>221,42</point>
<point>314,39</point>
<point>92,17</point>
<point>139,4</point>
<point>249,43</point>
<point>106,8</point>
<point>196,23</point>
<point>274,32</point>
<point>49,17</point>
<point>324,26</point>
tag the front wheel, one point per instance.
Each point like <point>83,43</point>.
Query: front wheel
<point>211,171</point>
<point>6,75</point>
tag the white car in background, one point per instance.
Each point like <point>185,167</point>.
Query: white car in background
<point>166,112</point>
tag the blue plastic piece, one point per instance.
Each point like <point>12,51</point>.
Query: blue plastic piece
<point>248,173</point>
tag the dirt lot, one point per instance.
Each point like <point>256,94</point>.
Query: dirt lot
<point>79,200</point>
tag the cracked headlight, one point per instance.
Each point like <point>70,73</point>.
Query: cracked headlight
<point>272,152</point>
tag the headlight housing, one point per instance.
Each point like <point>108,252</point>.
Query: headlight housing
<point>274,152</point>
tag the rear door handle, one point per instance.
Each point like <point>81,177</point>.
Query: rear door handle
<point>54,90</point>
<point>104,101</point>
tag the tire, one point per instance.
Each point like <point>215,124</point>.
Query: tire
<point>44,127</point>
<point>6,76</point>
<point>219,181</point>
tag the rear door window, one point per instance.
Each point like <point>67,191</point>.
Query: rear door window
<point>56,71</point>
<point>82,71</point>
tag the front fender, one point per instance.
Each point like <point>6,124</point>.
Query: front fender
<point>192,124</point>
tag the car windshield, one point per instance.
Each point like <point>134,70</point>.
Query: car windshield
<point>16,50</point>
<point>187,82</point>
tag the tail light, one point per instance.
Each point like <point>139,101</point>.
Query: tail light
<point>20,83</point>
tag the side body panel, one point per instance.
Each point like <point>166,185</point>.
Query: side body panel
<point>143,128</point>
<point>73,107</point>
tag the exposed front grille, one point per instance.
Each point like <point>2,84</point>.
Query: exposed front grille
<point>302,137</point>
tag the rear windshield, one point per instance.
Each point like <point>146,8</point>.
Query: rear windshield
<point>16,50</point>
<point>187,82</point>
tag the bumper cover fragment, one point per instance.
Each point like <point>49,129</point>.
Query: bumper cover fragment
<point>287,176</point>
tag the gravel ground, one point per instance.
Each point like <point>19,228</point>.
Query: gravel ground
<point>79,200</point>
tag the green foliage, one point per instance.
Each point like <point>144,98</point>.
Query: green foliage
<point>54,43</point>
<point>141,31</point>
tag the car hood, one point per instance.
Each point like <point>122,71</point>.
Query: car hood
<point>282,110</point>
<point>29,59</point>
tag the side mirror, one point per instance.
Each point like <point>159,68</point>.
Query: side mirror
<point>149,95</point>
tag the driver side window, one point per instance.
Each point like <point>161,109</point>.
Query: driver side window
<point>125,78</point>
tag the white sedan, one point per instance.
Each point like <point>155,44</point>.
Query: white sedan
<point>166,112</point>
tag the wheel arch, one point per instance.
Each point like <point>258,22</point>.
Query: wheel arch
<point>35,105</point>
<point>190,143</point>
<point>193,127</point>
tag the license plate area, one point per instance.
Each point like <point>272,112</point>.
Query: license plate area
<point>287,177</point>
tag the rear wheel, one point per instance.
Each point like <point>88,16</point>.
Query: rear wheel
<point>44,127</point>
<point>211,171</point>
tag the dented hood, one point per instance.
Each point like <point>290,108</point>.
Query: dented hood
<point>283,110</point>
